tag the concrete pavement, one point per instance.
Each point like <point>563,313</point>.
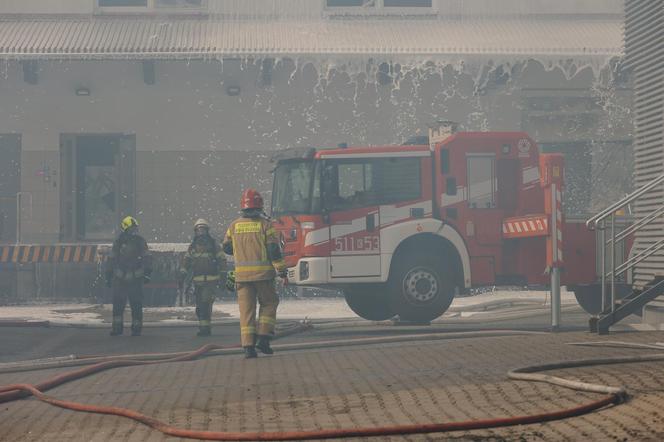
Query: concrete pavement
<point>421,381</point>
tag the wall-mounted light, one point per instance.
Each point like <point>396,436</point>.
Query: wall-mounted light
<point>233,90</point>
<point>82,91</point>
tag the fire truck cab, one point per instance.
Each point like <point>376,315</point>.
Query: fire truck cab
<point>403,229</point>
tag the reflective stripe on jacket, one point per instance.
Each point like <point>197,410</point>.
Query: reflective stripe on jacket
<point>128,275</point>
<point>130,258</point>
<point>204,260</point>
<point>249,238</point>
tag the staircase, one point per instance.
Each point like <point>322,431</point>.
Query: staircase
<point>609,239</point>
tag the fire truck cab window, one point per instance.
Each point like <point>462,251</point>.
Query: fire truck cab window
<point>481,181</point>
<point>293,191</point>
<point>349,184</point>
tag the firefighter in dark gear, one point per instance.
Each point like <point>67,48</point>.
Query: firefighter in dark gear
<point>254,244</point>
<point>129,267</point>
<point>203,265</point>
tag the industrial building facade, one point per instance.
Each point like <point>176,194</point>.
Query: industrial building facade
<point>644,34</point>
<point>167,109</point>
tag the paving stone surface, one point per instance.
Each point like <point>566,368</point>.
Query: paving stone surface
<point>416,382</point>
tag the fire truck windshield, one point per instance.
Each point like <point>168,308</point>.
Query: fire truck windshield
<point>296,188</point>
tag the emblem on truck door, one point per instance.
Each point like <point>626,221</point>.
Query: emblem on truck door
<point>523,146</point>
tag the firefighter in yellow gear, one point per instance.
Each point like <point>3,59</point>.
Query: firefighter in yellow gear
<point>203,266</point>
<point>254,244</point>
<point>128,268</point>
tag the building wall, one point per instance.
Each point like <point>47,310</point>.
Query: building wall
<point>314,8</point>
<point>645,55</point>
<point>198,146</point>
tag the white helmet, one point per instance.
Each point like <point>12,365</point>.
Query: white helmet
<point>201,223</point>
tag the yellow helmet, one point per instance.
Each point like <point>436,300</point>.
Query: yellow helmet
<point>127,222</point>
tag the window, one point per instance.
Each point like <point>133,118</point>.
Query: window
<point>349,3</point>
<point>151,5</point>
<point>481,181</point>
<point>380,7</point>
<point>365,182</point>
<point>178,3</point>
<point>122,3</point>
<point>355,179</point>
<point>508,172</point>
<point>292,188</point>
<point>407,3</point>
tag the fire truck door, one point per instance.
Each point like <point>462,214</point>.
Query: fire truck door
<point>355,243</point>
<point>349,196</point>
<point>485,217</point>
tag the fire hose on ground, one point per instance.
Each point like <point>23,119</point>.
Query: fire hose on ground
<point>74,361</point>
<point>613,395</point>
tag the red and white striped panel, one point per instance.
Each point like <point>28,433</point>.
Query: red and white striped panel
<point>525,226</point>
<point>559,226</point>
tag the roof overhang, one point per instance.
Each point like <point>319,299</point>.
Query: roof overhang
<point>84,37</point>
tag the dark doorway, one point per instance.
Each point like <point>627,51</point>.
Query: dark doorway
<point>98,185</point>
<point>10,185</point>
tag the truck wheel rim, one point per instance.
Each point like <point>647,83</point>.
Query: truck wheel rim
<point>420,285</point>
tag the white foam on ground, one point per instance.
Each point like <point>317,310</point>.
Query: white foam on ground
<point>313,308</point>
<point>48,312</point>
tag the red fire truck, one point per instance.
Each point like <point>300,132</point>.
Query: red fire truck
<point>403,229</point>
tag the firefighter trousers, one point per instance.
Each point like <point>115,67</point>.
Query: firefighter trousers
<point>247,294</point>
<point>134,292</point>
<point>204,293</point>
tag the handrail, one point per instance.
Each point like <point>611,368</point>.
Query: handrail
<point>605,222</point>
<point>637,226</point>
<point>634,260</point>
<point>592,222</point>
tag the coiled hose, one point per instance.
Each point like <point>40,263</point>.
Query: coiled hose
<point>613,395</point>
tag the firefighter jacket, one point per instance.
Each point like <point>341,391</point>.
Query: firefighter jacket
<point>254,244</point>
<point>130,260</point>
<point>204,261</point>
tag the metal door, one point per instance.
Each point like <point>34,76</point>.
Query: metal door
<point>10,186</point>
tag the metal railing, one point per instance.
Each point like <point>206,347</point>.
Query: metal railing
<point>599,223</point>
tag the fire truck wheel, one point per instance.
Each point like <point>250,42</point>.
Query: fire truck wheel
<point>420,291</point>
<point>369,301</point>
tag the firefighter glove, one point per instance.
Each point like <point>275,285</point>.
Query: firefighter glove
<point>146,279</point>
<point>230,281</point>
<point>284,277</point>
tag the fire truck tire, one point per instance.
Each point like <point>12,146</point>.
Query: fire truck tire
<point>369,301</point>
<point>420,289</point>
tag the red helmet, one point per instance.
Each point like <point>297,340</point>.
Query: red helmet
<point>251,199</point>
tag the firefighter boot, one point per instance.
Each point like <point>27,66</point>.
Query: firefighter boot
<point>263,345</point>
<point>250,353</point>
<point>204,331</point>
<point>116,330</point>
<point>136,328</point>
